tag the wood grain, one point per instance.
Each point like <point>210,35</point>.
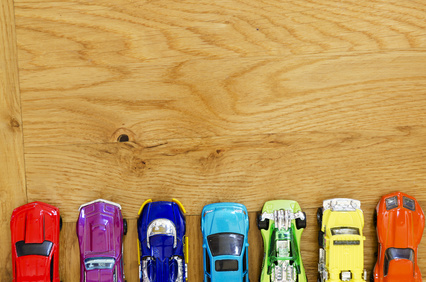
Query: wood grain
<point>91,71</point>
<point>242,96</point>
<point>12,170</point>
<point>228,100</point>
<point>246,169</point>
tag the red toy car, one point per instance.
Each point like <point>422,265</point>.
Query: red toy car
<point>399,221</point>
<point>35,242</point>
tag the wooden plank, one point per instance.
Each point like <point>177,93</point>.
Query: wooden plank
<point>236,97</point>
<point>306,166</point>
<point>98,70</point>
<point>146,30</point>
<point>12,174</point>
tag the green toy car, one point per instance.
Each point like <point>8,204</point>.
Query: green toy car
<point>281,224</point>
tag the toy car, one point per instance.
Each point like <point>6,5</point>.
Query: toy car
<point>163,246</point>
<point>100,230</point>
<point>399,222</point>
<point>341,241</point>
<point>35,242</point>
<point>281,224</point>
<point>225,247</point>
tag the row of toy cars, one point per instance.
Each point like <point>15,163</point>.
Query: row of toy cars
<point>162,243</point>
<point>163,246</point>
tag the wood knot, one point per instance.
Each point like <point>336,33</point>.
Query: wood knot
<point>138,165</point>
<point>14,123</point>
<point>212,159</point>
<point>123,135</point>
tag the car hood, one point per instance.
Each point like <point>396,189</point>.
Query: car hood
<point>401,230</point>
<point>99,275</point>
<point>399,227</point>
<point>99,230</point>
<point>32,268</point>
<point>221,218</point>
<point>167,210</point>
<point>35,223</point>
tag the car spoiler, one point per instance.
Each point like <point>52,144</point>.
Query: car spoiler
<point>99,201</point>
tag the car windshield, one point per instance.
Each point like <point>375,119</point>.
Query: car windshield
<point>99,263</point>
<point>345,231</point>
<point>42,249</point>
<point>162,226</point>
<point>226,244</point>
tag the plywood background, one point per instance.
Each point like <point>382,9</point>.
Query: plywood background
<point>229,100</point>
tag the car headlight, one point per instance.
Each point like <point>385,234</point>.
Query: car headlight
<point>162,226</point>
<point>391,202</point>
<point>408,203</point>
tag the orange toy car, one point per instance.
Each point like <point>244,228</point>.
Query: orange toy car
<point>399,222</point>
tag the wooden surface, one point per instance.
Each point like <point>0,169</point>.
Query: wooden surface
<point>230,100</point>
<point>12,168</point>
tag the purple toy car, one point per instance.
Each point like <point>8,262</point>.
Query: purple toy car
<point>100,230</point>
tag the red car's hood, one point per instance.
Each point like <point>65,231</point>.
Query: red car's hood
<point>32,268</point>
<point>99,275</point>
<point>399,222</point>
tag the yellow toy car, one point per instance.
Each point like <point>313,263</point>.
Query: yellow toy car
<point>341,242</point>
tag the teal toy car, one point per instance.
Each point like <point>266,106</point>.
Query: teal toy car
<point>225,245</point>
<point>281,224</point>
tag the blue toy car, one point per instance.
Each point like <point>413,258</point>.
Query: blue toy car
<point>225,247</point>
<point>163,246</point>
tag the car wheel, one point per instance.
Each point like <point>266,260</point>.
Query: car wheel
<point>301,223</point>
<point>319,217</point>
<point>125,226</point>
<point>60,223</point>
<point>321,239</point>
<point>375,218</point>
<point>319,278</point>
<point>262,224</point>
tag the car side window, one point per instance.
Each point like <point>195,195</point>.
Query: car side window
<point>245,262</point>
<point>115,274</point>
<point>207,262</point>
<point>396,253</point>
<point>51,268</point>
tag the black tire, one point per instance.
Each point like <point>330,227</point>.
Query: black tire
<point>125,226</point>
<point>375,218</point>
<point>321,239</point>
<point>262,224</point>
<point>60,223</point>
<point>301,223</point>
<point>319,278</point>
<point>319,217</point>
